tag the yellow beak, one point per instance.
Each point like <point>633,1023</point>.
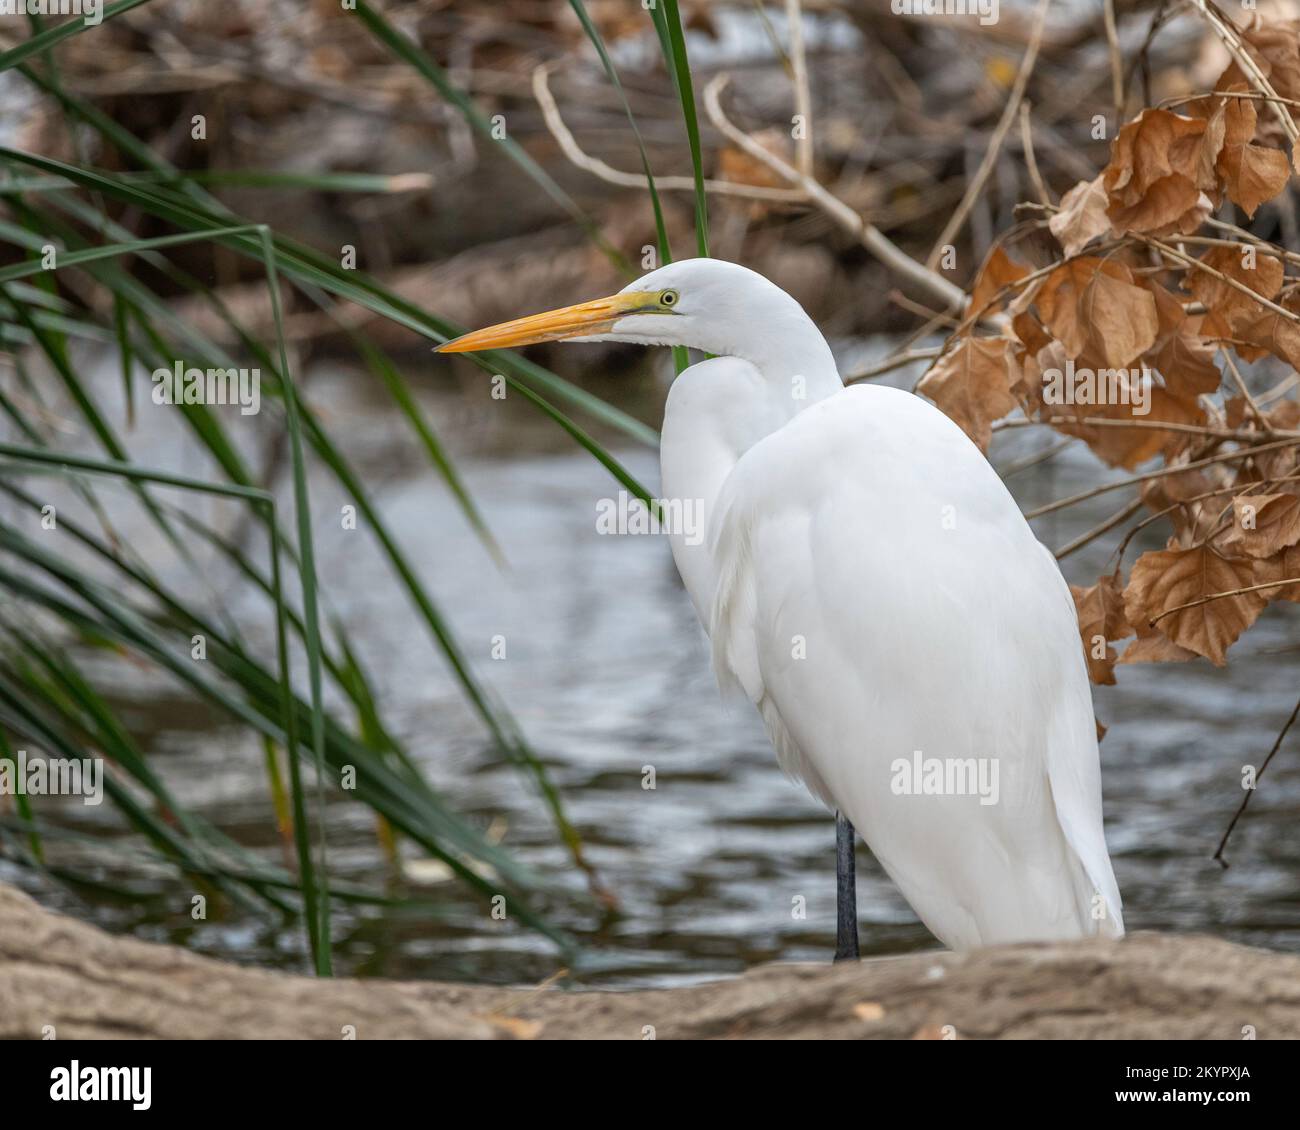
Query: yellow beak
<point>583,320</point>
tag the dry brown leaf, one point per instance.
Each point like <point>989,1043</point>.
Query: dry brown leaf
<point>1171,318</point>
<point>1282,566</point>
<point>1270,332</point>
<point>1260,273</point>
<point>1165,579</point>
<point>1082,216</point>
<point>1184,358</point>
<point>1285,414</point>
<point>1238,114</point>
<point>1187,364</point>
<point>1092,304</point>
<point>1277,50</point>
<point>1030,331</point>
<point>1073,411</point>
<point>1099,395</point>
<point>998,270</point>
<point>1192,520</point>
<point>972,384</point>
<point>1254,174</point>
<point>1234,116</point>
<point>1152,646</point>
<point>1100,609</point>
<point>1263,524</point>
<point>1161,174</point>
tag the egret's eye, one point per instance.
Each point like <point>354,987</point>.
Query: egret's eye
<point>668,298</point>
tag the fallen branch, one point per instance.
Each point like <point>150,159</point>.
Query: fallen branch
<point>65,975</point>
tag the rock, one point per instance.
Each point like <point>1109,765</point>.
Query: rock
<point>57,971</point>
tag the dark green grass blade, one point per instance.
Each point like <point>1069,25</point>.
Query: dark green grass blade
<point>39,44</point>
<point>680,357</point>
<point>401,46</point>
<point>668,22</point>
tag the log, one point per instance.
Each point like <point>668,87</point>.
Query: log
<point>61,973</point>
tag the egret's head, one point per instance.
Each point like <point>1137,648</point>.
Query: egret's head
<point>706,304</point>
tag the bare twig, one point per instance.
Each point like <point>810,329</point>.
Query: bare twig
<point>1232,40</point>
<point>1031,161</point>
<point>1249,95</point>
<point>1238,434</point>
<point>1245,800</point>
<point>897,361</point>
<point>953,226</point>
<point>1245,392</point>
<point>1160,473</point>
<point>802,101</point>
<point>1120,516</point>
<point>1222,596</point>
<point>872,238</point>
<point>1116,60</point>
<point>1018,465</point>
<point>570,148</point>
<point>1197,264</point>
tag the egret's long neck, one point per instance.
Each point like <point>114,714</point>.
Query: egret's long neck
<point>716,411</point>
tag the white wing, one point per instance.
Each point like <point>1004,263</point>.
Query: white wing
<point>879,593</point>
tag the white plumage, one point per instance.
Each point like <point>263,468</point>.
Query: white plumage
<point>928,619</point>
<point>871,586</point>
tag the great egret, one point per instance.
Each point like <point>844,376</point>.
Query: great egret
<point>869,583</point>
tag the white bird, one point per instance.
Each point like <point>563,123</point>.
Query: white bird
<point>872,587</point>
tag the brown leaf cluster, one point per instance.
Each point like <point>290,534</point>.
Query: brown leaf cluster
<point>1128,296</point>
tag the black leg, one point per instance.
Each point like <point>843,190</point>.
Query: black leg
<point>846,892</point>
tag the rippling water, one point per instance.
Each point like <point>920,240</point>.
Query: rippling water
<point>608,672</point>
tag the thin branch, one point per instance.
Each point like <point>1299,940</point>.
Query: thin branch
<point>1249,95</point>
<point>1120,516</point>
<point>1234,489</point>
<point>1133,480</point>
<point>1023,464</point>
<point>872,238</point>
<point>1197,264</point>
<point>954,224</point>
<point>1232,40</point>
<point>1238,434</point>
<point>1245,392</point>
<point>920,309</point>
<point>1031,162</point>
<point>1245,800</point>
<point>570,148</point>
<point>897,361</point>
<point>802,100</point>
<point>1116,60</point>
<point>1221,596</point>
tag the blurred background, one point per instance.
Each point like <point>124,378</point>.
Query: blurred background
<point>500,676</point>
